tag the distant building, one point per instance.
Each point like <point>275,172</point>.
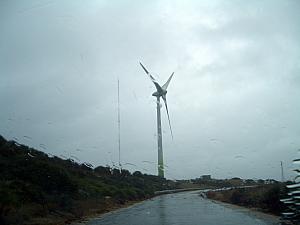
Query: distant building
<point>206,177</point>
<point>271,181</point>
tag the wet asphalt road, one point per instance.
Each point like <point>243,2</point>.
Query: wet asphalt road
<point>186,208</point>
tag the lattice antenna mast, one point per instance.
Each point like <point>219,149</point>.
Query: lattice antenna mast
<point>119,126</point>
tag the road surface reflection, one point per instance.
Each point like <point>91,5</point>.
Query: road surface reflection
<point>181,208</point>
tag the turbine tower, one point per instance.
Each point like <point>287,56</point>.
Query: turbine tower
<point>161,91</point>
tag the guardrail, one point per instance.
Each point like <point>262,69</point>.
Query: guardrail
<point>198,189</point>
<point>176,190</point>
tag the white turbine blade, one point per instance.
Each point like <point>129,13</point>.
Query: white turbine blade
<point>158,87</point>
<point>165,86</point>
<point>165,100</point>
<point>147,72</point>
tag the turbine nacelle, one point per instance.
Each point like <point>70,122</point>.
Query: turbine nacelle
<point>159,94</point>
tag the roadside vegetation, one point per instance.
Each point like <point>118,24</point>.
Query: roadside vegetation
<point>38,189</point>
<point>265,197</point>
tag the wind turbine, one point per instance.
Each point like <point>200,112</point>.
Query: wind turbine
<point>161,91</point>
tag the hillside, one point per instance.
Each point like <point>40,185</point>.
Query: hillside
<point>38,189</point>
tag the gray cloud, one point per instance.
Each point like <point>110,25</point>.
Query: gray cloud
<point>234,100</point>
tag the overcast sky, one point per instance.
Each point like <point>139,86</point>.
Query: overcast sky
<point>234,100</point>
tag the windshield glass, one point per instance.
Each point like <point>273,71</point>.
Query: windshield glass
<point>181,90</point>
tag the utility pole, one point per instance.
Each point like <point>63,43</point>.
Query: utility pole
<point>282,175</point>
